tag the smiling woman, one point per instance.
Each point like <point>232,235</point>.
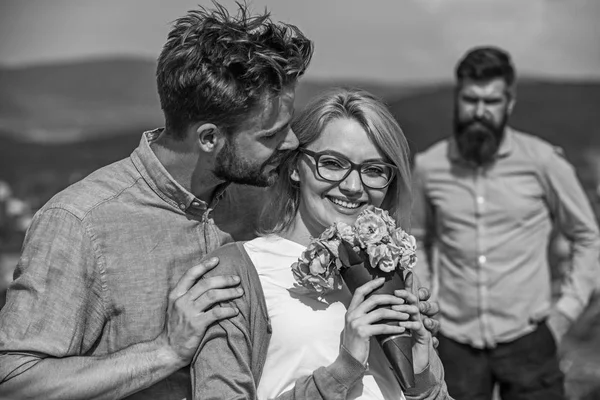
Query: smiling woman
<point>328,196</point>
<point>352,123</point>
<point>298,345</point>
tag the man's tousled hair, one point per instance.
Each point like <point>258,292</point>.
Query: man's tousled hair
<point>217,67</point>
<point>485,63</point>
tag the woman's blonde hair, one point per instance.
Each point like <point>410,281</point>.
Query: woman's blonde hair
<point>383,130</point>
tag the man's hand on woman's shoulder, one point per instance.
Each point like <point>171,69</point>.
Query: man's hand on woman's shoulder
<point>190,310</point>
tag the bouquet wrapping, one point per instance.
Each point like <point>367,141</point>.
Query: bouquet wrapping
<point>371,248</point>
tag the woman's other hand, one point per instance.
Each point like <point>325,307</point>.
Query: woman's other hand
<point>363,317</point>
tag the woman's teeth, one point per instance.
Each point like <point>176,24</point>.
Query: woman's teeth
<point>343,203</point>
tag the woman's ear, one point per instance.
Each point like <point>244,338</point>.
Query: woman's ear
<point>208,137</point>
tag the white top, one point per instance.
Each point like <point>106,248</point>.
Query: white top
<point>306,331</point>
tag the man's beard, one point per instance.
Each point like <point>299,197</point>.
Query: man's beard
<point>478,139</point>
<point>230,167</point>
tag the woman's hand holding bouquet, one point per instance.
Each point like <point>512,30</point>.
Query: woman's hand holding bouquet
<point>363,317</point>
<point>371,257</point>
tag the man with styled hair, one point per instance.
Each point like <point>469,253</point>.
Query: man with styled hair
<point>107,300</point>
<point>486,199</point>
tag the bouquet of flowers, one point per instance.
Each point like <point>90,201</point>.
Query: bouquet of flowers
<point>370,248</point>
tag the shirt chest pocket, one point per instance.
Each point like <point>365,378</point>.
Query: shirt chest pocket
<point>494,200</point>
<point>517,200</point>
<point>454,203</point>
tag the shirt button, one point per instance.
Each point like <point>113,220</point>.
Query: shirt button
<point>182,206</point>
<point>482,260</point>
<point>480,200</point>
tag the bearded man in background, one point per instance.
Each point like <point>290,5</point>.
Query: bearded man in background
<point>486,200</point>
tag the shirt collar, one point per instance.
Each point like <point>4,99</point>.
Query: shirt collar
<point>506,146</point>
<point>162,182</point>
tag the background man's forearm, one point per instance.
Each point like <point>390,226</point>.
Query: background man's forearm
<point>108,377</point>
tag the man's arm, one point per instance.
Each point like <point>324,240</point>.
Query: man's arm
<point>110,377</point>
<point>55,313</point>
<point>124,372</point>
<point>574,217</point>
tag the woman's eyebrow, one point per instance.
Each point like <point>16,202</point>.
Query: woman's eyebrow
<point>338,154</point>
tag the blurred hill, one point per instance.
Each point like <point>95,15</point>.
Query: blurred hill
<point>76,101</point>
<point>60,122</point>
<point>80,100</point>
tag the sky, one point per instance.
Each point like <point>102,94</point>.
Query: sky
<point>380,40</point>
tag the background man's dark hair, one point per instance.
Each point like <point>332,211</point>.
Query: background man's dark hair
<point>217,67</point>
<point>485,63</point>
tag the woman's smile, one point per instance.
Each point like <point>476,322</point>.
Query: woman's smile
<point>345,204</point>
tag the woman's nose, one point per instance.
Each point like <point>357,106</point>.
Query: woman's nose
<point>352,183</point>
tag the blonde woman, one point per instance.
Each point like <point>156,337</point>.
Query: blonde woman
<point>284,345</point>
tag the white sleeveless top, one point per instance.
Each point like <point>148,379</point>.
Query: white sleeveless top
<point>306,331</point>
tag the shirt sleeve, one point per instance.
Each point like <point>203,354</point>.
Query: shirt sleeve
<point>423,227</point>
<point>54,306</point>
<point>328,383</point>
<point>574,217</point>
<point>222,367</point>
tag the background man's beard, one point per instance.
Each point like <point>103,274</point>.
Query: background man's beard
<point>478,140</point>
<point>232,168</point>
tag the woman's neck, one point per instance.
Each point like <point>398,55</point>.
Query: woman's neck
<point>298,231</point>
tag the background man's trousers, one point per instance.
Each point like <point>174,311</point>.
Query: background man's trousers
<point>525,369</point>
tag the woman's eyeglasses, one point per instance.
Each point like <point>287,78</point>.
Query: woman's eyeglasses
<point>335,168</point>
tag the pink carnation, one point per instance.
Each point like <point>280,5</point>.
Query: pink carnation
<point>407,246</point>
<point>330,233</point>
<point>346,232</point>
<point>317,257</point>
<point>370,229</point>
<point>384,215</point>
<point>316,268</point>
<point>374,235</point>
<point>382,257</point>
